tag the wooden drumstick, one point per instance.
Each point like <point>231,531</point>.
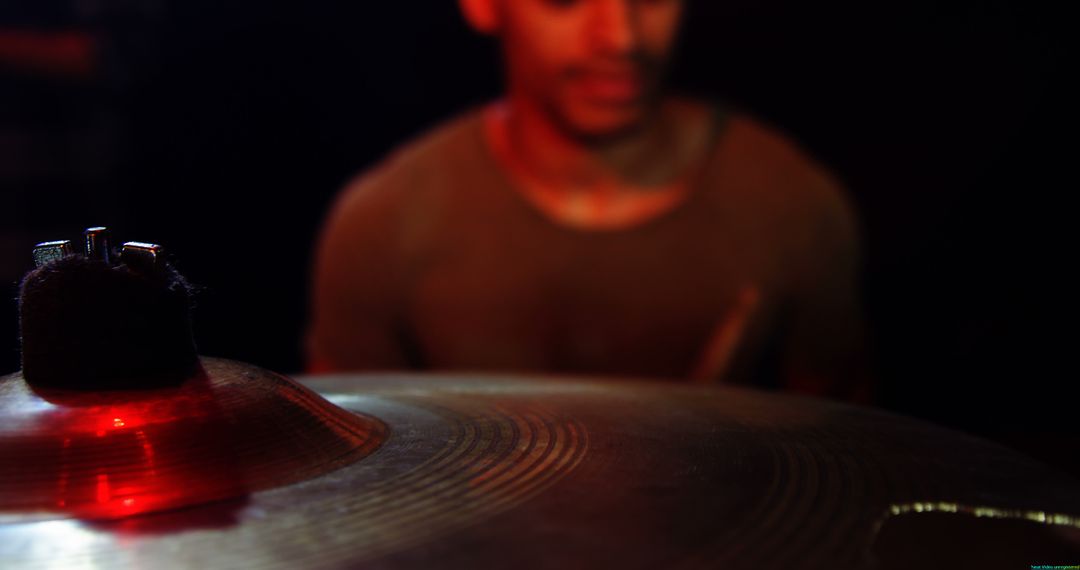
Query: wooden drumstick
<point>727,337</point>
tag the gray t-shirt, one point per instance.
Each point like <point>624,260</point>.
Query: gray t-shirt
<point>433,260</point>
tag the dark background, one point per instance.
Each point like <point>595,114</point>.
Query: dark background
<point>223,129</point>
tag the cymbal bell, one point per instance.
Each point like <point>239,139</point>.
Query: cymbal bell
<point>229,430</point>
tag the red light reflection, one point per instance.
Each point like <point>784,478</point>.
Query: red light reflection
<point>230,430</point>
<point>105,463</point>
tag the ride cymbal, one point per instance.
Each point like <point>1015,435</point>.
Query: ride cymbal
<point>494,471</point>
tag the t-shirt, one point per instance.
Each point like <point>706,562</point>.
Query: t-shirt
<point>434,261</point>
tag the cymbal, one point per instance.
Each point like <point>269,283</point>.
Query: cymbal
<point>517,471</point>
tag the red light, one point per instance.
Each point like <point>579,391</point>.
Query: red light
<point>116,454</point>
<point>103,491</point>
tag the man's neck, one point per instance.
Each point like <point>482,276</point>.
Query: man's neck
<point>638,158</point>
<point>609,184</point>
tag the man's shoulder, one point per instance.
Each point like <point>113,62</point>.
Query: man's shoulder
<point>791,186</point>
<point>775,159</point>
<point>779,156</point>
<point>428,160</point>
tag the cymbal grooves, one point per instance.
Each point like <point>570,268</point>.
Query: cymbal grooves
<point>492,458</point>
<point>476,471</point>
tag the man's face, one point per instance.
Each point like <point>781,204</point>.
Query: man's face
<point>593,65</point>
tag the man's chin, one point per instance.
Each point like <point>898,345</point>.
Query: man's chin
<point>599,124</point>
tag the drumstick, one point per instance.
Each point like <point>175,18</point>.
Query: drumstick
<point>726,338</point>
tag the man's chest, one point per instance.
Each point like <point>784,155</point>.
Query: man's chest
<point>646,307</point>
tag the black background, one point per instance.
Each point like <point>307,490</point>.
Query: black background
<point>223,130</point>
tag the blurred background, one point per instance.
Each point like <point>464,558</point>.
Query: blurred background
<point>224,129</point>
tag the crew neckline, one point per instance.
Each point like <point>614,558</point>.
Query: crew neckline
<point>695,175</point>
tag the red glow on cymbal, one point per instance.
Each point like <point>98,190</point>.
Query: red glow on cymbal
<point>232,430</point>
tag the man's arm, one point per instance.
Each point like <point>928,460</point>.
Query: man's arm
<point>355,318</point>
<point>825,350</point>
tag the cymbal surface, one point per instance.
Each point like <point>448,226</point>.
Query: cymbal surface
<point>499,471</point>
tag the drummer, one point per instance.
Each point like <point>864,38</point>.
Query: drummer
<point>589,222</point>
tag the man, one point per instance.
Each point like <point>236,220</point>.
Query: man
<point>589,224</point>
